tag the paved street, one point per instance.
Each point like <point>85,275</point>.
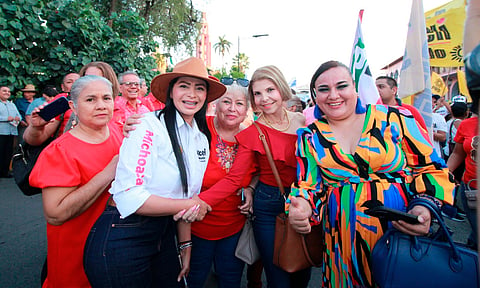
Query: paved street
<point>23,239</point>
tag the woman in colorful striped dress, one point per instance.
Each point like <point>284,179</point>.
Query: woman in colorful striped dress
<point>351,159</point>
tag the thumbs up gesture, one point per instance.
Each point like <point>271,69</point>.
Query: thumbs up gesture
<point>299,214</point>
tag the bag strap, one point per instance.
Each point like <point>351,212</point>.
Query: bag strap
<point>434,211</point>
<point>450,140</point>
<point>268,153</point>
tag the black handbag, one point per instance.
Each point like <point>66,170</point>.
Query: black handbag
<point>23,160</point>
<point>401,260</point>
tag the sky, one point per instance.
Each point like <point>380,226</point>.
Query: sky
<point>305,33</point>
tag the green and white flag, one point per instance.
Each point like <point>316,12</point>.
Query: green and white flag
<point>364,82</point>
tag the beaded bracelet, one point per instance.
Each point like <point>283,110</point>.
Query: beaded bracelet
<point>251,186</point>
<point>430,198</point>
<point>184,244</point>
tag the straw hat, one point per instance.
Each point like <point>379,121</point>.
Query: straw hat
<point>29,88</point>
<point>191,67</point>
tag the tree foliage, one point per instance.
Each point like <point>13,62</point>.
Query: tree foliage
<point>241,63</point>
<point>175,22</point>
<point>41,40</point>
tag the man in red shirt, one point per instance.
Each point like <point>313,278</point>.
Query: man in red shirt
<point>387,88</point>
<point>130,101</point>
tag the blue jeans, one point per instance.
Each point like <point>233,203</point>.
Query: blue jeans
<point>221,252</point>
<point>267,204</point>
<point>136,251</point>
<point>471,216</point>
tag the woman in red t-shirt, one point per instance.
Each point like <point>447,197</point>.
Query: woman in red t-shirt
<point>74,172</point>
<point>465,151</point>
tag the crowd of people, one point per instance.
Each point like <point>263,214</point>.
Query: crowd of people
<point>153,189</point>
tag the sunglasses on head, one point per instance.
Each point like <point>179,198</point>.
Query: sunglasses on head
<point>240,81</point>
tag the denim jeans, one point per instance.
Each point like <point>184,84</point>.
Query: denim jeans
<point>136,251</point>
<point>221,252</point>
<point>267,204</point>
<point>471,216</point>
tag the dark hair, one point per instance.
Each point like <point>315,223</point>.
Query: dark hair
<point>390,81</point>
<point>170,116</point>
<point>324,67</point>
<point>459,109</point>
<point>50,91</point>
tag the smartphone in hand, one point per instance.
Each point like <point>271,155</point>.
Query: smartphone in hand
<point>392,214</point>
<point>54,108</point>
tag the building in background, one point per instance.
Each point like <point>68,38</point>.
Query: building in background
<point>204,47</point>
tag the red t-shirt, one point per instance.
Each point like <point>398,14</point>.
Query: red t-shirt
<point>225,218</point>
<point>66,115</point>
<point>68,162</point>
<point>252,154</point>
<point>466,132</point>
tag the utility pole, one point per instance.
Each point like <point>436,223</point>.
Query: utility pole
<point>238,47</point>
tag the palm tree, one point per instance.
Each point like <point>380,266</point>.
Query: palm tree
<point>222,46</point>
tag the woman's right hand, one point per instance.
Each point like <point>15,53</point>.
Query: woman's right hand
<point>36,120</point>
<point>130,123</point>
<point>187,215</point>
<point>299,214</point>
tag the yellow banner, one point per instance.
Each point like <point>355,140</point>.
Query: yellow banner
<point>462,85</point>
<point>438,86</point>
<point>445,34</point>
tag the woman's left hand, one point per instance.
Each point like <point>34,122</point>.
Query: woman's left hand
<point>185,255</point>
<point>420,229</point>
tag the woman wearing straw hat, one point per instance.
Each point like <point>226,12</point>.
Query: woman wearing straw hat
<point>159,173</point>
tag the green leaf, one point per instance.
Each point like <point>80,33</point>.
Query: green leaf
<point>15,25</point>
<point>11,8</point>
<point>5,33</point>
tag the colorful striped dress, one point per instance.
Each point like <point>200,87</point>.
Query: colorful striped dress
<point>394,160</point>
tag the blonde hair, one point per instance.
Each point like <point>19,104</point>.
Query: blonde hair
<point>273,74</point>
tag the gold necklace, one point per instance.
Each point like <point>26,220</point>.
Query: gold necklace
<point>271,125</point>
